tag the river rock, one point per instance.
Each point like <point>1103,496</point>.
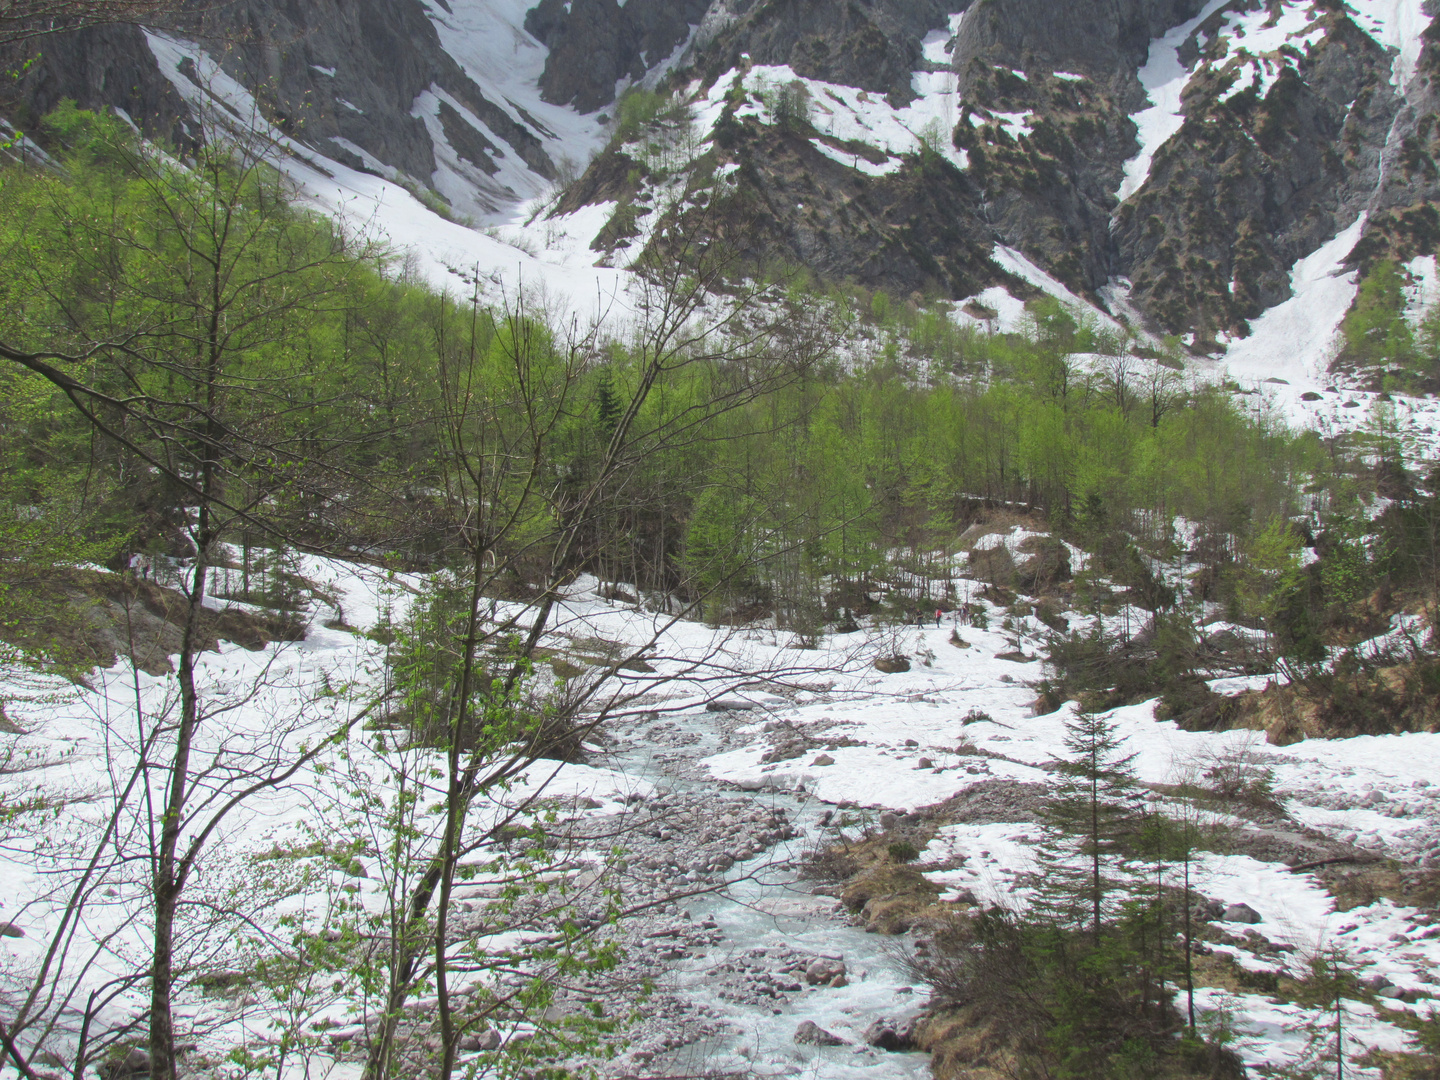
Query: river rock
<point>10,930</point>
<point>824,970</point>
<point>925,763</point>
<point>1241,913</point>
<point>823,759</point>
<point>489,1039</point>
<point>885,1036</point>
<point>135,1063</point>
<point>889,819</point>
<point>1209,911</point>
<point>812,1034</point>
<point>729,705</point>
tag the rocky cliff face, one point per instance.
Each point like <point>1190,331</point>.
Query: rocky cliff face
<point>1252,183</point>
<point>1293,120</point>
<point>97,68</point>
<point>364,82</point>
<point>874,46</point>
<point>596,45</point>
<point>1192,148</point>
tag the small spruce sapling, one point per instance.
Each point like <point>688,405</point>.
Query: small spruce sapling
<point>1090,813</point>
<point>1329,975</point>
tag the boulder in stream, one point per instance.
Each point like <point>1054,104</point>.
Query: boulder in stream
<point>812,1034</point>
<point>823,970</point>
<point>884,1035</point>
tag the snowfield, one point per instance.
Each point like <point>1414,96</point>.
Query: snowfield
<point>961,716</point>
<point>961,708</point>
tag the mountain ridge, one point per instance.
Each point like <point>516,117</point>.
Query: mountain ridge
<point>1242,135</point>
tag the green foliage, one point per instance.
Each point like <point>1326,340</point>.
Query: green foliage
<point>1328,980</point>
<point>1091,814</point>
<point>1081,981</point>
<point>902,851</point>
<point>720,543</point>
<point>1374,330</point>
<point>839,470</point>
<point>1271,590</point>
<point>790,105</point>
<point>1066,1006</point>
<point>1347,571</point>
<point>637,110</point>
<point>447,430</point>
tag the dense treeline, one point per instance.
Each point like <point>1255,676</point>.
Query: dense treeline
<point>346,386</point>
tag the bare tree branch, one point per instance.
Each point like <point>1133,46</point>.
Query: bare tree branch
<point>21,20</point>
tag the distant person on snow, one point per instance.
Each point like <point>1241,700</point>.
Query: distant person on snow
<point>938,616</point>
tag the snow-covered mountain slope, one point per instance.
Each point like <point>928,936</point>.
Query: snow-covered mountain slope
<point>1190,167</point>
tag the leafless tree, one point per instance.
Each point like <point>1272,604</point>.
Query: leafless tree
<point>507,387</point>
<point>21,20</point>
<point>183,363</point>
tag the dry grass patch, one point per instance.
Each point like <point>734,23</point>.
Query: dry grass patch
<point>964,1046</point>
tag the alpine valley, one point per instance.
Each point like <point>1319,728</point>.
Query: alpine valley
<point>856,539</point>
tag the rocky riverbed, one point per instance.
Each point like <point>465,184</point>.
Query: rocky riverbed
<point>747,962</point>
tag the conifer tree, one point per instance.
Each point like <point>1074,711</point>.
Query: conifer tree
<point>1090,813</point>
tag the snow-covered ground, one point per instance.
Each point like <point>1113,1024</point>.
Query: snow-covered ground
<point>904,741</point>
<point>1285,360</point>
<point>961,708</point>
<point>552,261</point>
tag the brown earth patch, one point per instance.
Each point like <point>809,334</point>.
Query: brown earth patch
<point>91,619</point>
<point>1382,701</point>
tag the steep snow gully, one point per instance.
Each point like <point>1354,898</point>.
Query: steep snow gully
<point>510,237</point>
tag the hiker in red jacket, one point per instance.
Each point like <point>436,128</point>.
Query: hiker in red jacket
<point>938,616</point>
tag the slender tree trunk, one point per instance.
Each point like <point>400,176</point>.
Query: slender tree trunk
<point>456,804</point>
<point>1339,1028</point>
<point>410,948</point>
<point>169,871</point>
<point>13,1051</point>
<point>1189,948</point>
<point>1095,853</point>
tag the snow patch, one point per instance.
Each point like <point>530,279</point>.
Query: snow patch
<point>380,207</point>
<point>1294,339</point>
<point>1395,24</point>
<point>856,161</point>
<point>1424,289</point>
<point>846,113</point>
<point>1017,264</point>
<point>1164,79</point>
